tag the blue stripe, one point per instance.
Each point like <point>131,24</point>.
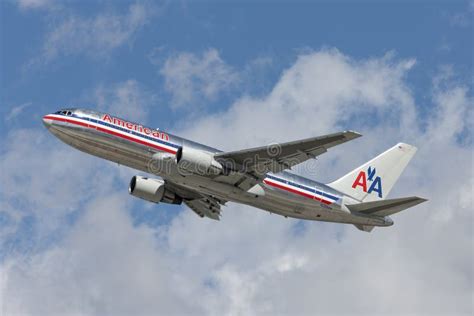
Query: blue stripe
<point>300,186</point>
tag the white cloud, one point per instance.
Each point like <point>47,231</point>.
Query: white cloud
<point>320,93</point>
<point>190,77</point>
<point>34,4</point>
<point>462,19</point>
<point>94,37</point>
<point>38,192</point>
<point>325,92</point>
<point>252,262</point>
<point>126,99</point>
<point>16,110</point>
<point>100,254</point>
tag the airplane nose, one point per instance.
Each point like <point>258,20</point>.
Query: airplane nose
<point>47,121</point>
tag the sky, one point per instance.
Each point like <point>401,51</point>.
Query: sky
<point>234,75</point>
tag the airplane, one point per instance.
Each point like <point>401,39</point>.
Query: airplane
<point>205,178</point>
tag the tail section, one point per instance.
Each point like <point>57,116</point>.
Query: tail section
<point>373,180</point>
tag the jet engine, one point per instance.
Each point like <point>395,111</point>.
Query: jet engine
<point>152,190</point>
<point>198,161</point>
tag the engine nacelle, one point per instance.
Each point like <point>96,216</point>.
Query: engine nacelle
<point>198,161</point>
<point>152,190</point>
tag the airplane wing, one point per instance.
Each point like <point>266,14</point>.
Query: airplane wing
<point>251,165</point>
<point>202,204</point>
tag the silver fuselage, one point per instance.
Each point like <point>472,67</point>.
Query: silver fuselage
<point>137,146</point>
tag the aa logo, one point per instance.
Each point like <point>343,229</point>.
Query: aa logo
<point>374,181</point>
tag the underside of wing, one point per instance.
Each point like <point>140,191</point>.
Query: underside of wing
<point>206,206</point>
<point>202,204</point>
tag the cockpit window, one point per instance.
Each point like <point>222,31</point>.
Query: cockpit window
<point>64,112</point>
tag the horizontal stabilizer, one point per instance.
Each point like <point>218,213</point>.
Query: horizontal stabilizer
<point>385,207</point>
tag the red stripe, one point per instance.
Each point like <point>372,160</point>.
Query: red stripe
<point>296,192</point>
<point>65,120</point>
<point>142,142</point>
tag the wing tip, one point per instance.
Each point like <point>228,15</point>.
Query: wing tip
<point>422,200</point>
<point>350,134</point>
<point>417,199</point>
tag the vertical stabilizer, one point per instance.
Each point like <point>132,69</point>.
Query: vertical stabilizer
<point>373,180</point>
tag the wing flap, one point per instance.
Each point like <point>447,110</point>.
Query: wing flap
<point>207,207</point>
<point>365,228</point>
<point>202,204</point>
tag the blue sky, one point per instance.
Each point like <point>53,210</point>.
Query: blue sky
<point>241,32</point>
<point>234,75</point>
